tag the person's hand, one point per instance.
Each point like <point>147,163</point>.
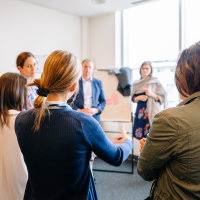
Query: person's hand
<point>142,142</point>
<point>121,139</point>
<point>84,110</point>
<point>93,111</point>
<point>89,111</point>
<point>92,156</point>
<point>143,97</point>
<point>148,92</point>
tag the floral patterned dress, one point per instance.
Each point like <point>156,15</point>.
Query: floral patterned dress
<point>32,95</point>
<point>141,122</point>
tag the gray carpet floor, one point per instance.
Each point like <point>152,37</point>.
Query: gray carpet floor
<point>119,186</point>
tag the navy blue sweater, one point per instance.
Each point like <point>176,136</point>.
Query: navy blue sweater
<point>58,155</point>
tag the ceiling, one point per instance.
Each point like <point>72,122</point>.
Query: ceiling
<point>85,8</point>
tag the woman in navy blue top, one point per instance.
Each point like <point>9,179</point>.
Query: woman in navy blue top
<point>57,142</point>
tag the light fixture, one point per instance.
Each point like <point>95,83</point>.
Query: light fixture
<point>98,1</point>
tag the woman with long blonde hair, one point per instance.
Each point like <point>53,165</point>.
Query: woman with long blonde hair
<point>57,141</point>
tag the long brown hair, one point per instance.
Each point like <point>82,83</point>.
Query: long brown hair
<point>61,71</point>
<point>187,73</point>
<point>12,95</point>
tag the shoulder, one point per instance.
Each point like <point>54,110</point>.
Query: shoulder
<point>168,115</point>
<point>80,116</point>
<point>154,80</point>
<point>24,119</point>
<point>183,118</point>
<point>137,81</point>
<point>87,122</point>
<point>97,80</point>
<point>164,125</point>
<point>98,83</point>
<point>154,83</point>
<point>24,115</point>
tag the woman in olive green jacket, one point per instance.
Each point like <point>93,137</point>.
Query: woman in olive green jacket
<point>171,153</point>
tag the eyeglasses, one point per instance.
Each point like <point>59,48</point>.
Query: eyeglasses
<point>145,68</point>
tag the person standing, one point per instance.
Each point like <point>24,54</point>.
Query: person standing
<point>13,171</point>
<point>170,153</point>
<point>90,99</point>
<point>57,142</point>
<point>149,94</point>
<point>27,65</point>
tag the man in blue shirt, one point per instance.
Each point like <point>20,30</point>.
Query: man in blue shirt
<point>90,99</point>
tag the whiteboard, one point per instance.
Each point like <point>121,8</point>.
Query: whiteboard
<point>118,107</point>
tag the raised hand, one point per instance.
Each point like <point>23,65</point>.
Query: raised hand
<point>147,91</point>
<point>142,142</point>
<point>121,139</point>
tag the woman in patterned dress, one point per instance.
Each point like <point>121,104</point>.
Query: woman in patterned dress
<point>27,65</point>
<point>149,94</point>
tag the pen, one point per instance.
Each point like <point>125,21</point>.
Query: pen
<point>122,137</point>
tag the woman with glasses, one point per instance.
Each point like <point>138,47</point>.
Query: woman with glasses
<point>149,94</point>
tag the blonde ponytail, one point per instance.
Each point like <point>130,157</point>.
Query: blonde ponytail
<point>61,71</point>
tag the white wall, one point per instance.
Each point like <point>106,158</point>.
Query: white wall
<point>28,27</point>
<point>105,50</point>
<point>102,41</point>
<point>85,38</point>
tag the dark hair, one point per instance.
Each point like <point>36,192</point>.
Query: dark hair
<point>187,73</point>
<point>12,94</point>
<point>21,58</point>
<point>146,63</point>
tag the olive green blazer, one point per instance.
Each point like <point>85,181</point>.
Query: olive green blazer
<point>171,153</point>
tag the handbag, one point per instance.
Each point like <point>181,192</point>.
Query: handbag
<point>151,193</point>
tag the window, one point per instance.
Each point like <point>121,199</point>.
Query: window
<point>151,33</point>
<point>192,16</point>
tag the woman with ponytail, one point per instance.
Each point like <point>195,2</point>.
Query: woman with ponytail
<point>57,142</point>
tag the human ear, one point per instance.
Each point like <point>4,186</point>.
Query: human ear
<point>19,68</point>
<point>73,87</point>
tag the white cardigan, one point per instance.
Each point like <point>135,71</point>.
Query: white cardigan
<point>13,172</point>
